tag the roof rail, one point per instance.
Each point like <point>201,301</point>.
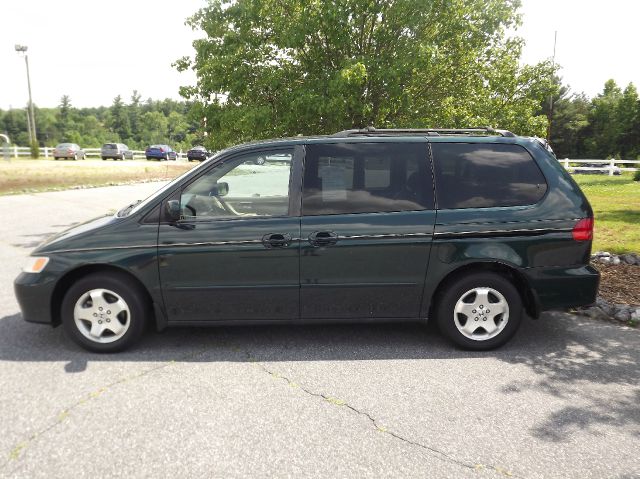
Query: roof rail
<point>371,131</point>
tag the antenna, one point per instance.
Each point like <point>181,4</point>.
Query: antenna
<point>553,65</point>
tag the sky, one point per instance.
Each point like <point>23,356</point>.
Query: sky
<point>94,50</point>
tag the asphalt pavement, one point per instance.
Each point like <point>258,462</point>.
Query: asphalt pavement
<point>562,399</point>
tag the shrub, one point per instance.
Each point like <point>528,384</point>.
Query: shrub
<point>636,175</point>
<point>35,150</point>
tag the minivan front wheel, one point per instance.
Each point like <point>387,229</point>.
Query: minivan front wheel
<point>104,312</point>
<point>480,311</point>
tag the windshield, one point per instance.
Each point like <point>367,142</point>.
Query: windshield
<point>135,207</point>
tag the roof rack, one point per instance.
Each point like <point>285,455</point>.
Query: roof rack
<point>371,131</point>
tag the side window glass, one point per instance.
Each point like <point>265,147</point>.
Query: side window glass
<point>252,185</point>
<point>485,175</point>
<point>366,178</point>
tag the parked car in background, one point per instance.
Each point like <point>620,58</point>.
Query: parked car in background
<point>600,168</point>
<point>116,151</point>
<point>197,153</point>
<point>160,152</point>
<point>68,151</point>
<point>468,228</point>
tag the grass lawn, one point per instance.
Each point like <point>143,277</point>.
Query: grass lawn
<point>616,205</point>
<point>29,176</point>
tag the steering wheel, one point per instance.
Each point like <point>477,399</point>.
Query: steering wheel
<point>191,209</point>
<point>224,205</point>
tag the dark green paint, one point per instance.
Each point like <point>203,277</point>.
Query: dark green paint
<point>383,265</point>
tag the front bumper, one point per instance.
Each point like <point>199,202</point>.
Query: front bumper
<point>34,293</point>
<point>562,287</point>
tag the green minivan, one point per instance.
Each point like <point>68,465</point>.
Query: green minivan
<point>472,228</point>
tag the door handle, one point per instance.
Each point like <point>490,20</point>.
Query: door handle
<point>323,238</point>
<point>276,240</point>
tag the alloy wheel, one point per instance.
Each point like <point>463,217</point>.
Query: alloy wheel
<point>481,313</point>
<point>102,316</point>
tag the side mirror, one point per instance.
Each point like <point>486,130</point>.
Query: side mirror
<point>172,210</point>
<point>220,189</point>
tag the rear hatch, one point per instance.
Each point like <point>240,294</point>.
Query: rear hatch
<point>109,148</point>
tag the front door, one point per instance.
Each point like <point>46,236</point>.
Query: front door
<point>367,225</point>
<point>234,255</point>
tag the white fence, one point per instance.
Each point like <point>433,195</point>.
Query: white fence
<point>91,153</point>
<point>609,166</point>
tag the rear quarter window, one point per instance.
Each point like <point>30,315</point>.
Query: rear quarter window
<point>485,175</point>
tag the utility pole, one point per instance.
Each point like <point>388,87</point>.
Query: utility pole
<point>31,117</point>
<point>553,64</point>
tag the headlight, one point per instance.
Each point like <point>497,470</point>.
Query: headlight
<point>36,264</point>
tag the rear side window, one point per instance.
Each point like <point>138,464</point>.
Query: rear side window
<point>485,175</point>
<point>366,178</point>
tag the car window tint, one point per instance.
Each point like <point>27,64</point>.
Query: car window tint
<point>485,175</point>
<point>366,178</point>
<point>246,186</point>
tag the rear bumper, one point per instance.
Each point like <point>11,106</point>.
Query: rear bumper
<point>34,293</point>
<point>562,287</point>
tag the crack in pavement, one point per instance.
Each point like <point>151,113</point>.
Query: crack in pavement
<point>441,455</point>
<point>18,449</point>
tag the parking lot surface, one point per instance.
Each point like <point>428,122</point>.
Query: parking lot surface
<point>562,399</point>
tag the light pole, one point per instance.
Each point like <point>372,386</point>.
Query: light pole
<point>31,118</point>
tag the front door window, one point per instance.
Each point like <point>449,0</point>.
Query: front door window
<point>252,185</point>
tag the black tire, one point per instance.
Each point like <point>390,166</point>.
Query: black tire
<point>104,159</point>
<point>121,284</point>
<point>457,288</point>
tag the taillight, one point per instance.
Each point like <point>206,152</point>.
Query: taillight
<point>583,230</point>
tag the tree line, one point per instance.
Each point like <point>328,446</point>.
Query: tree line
<point>605,126</point>
<point>136,123</point>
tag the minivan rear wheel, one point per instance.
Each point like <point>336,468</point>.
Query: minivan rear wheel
<point>104,312</point>
<point>480,311</point>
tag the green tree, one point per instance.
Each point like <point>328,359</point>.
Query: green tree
<point>66,123</point>
<point>569,120</point>
<point>153,128</point>
<point>15,126</point>
<point>603,122</point>
<point>177,128</point>
<point>272,68</point>
<point>119,122</point>
<point>134,116</point>
<point>628,112</point>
